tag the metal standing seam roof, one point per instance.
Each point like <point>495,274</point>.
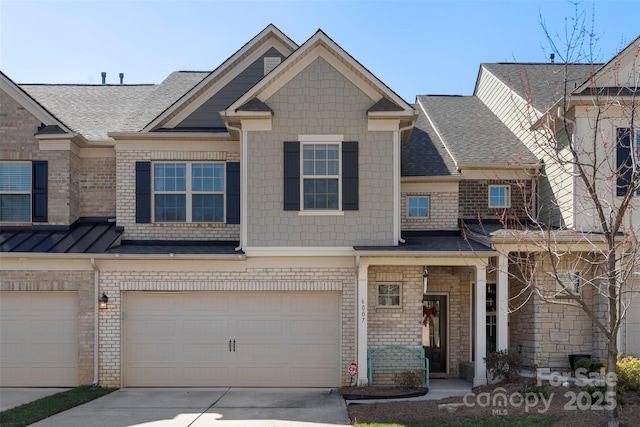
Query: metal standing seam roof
<point>430,241</point>
<point>541,84</point>
<point>84,236</point>
<point>472,133</point>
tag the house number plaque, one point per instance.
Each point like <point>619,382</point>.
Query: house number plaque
<point>363,308</point>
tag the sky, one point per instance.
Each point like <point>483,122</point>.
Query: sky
<point>414,47</point>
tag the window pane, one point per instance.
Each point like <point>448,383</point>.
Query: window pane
<point>389,295</point>
<point>169,177</point>
<point>208,208</point>
<point>170,208</point>
<point>418,207</point>
<point>320,194</point>
<point>15,177</point>
<point>498,197</point>
<point>15,207</point>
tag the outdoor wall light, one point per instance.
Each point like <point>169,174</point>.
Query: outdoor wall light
<point>103,300</point>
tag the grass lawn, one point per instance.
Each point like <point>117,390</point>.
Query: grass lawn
<point>40,409</point>
<point>534,421</point>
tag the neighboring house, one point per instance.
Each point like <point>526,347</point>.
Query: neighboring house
<point>263,224</point>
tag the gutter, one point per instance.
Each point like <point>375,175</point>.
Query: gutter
<point>96,319</point>
<point>420,254</point>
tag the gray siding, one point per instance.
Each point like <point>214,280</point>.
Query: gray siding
<point>207,115</point>
<point>319,100</point>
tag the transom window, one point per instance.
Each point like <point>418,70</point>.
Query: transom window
<point>15,191</point>
<point>321,176</point>
<point>389,295</point>
<point>499,196</point>
<point>418,207</point>
<point>188,192</point>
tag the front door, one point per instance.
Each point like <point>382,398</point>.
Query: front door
<point>434,331</point>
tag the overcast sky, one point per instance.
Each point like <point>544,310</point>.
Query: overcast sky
<point>415,47</point>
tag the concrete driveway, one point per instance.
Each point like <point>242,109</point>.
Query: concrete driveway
<point>199,407</point>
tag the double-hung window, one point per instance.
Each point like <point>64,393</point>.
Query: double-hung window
<point>321,176</point>
<point>499,196</point>
<point>188,192</point>
<point>15,191</point>
<point>627,158</point>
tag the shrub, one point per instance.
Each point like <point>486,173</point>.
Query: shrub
<point>628,369</point>
<point>408,379</point>
<point>583,364</point>
<point>504,365</point>
<point>533,391</point>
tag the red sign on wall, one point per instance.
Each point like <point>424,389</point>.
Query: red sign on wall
<point>353,369</point>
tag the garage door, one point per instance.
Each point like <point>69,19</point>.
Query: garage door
<point>38,339</point>
<point>204,339</point>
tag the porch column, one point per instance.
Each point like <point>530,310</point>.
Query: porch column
<point>361,323</point>
<point>502,307</point>
<point>480,327</point>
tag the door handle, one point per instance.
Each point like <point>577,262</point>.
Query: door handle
<point>234,346</point>
<point>229,345</point>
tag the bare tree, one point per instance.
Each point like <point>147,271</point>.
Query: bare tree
<point>578,245</point>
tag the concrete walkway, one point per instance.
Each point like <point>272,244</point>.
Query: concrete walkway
<point>199,407</point>
<point>11,397</point>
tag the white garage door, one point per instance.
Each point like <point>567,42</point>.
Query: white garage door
<point>38,339</point>
<point>205,339</point>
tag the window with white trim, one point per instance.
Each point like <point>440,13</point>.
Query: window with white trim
<point>320,176</point>
<point>188,192</point>
<point>568,282</point>
<point>499,196</point>
<point>389,295</point>
<point>15,191</point>
<point>418,207</point>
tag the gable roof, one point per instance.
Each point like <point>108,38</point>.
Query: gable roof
<point>322,45</point>
<point>200,93</point>
<point>52,123</point>
<point>542,83</point>
<point>472,134</point>
<point>423,154</point>
<point>91,110</point>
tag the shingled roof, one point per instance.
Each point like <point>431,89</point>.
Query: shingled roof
<point>472,134</point>
<point>542,84</point>
<point>94,110</point>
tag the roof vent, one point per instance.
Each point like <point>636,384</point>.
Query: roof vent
<point>121,78</point>
<point>104,77</point>
<point>271,62</point>
<point>552,57</point>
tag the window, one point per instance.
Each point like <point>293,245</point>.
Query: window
<point>627,154</point>
<point>418,207</point>
<point>321,176</point>
<point>188,192</point>
<point>15,191</point>
<point>389,295</point>
<point>499,196</point>
<point>568,282</point>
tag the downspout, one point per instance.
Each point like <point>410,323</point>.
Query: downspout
<point>396,181</point>
<point>96,282</point>
<point>243,182</point>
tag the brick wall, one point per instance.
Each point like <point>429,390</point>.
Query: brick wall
<point>443,212</point>
<point>252,280</point>
<point>126,199</point>
<point>97,186</point>
<point>78,281</point>
<point>474,199</point>
<point>403,326</point>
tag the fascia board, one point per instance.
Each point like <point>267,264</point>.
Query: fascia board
<point>164,136</point>
<point>280,41</point>
<point>319,45</point>
<point>297,251</point>
<point>28,102</point>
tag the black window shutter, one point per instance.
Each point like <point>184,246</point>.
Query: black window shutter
<point>233,193</point>
<point>624,161</point>
<point>39,190</point>
<point>350,176</point>
<point>291,175</point>
<point>143,192</point>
